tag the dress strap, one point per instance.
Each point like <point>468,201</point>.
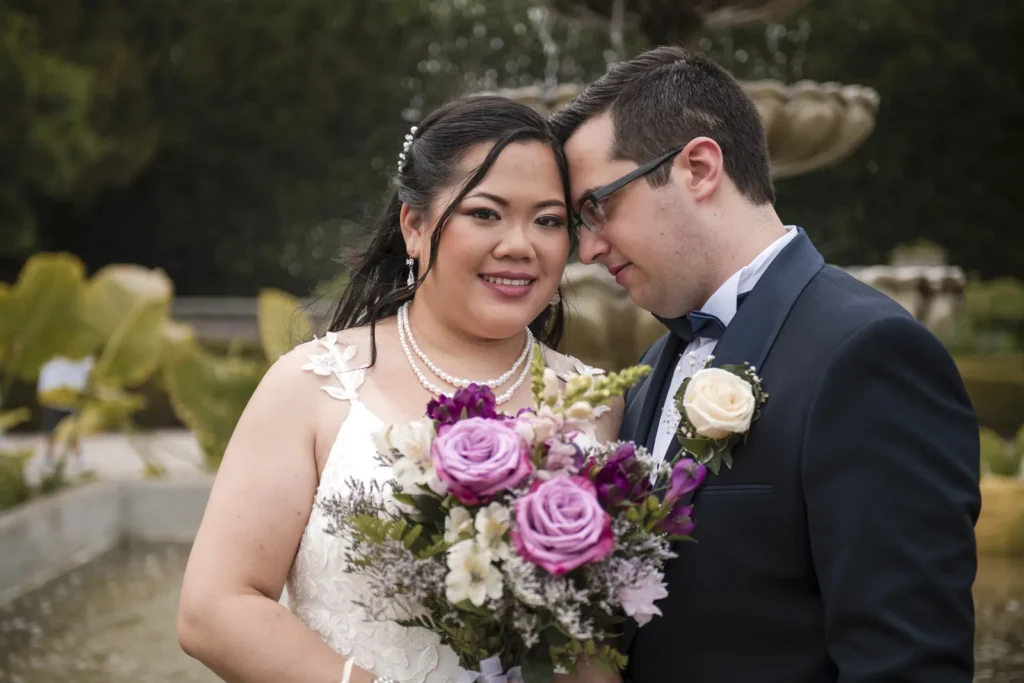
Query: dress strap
<point>335,361</point>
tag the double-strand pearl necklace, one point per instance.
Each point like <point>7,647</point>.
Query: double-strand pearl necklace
<point>403,321</point>
<point>405,337</point>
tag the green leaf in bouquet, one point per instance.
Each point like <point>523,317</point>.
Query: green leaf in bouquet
<point>372,529</point>
<point>633,515</point>
<point>537,375</point>
<point>409,540</point>
<point>538,668</point>
<point>282,322</point>
<point>429,506</point>
<point>615,384</point>
<point>398,528</point>
<point>437,548</point>
<point>404,498</point>
<point>467,606</point>
<point>702,450</point>
<point>685,539</point>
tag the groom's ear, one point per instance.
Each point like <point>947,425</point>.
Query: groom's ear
<point>412,224</point>
<point>701,167</point>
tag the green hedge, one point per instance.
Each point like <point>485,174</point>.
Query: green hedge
<point>996,387</point>
<point>13,489</point>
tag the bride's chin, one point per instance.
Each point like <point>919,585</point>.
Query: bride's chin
<point>496,324</point>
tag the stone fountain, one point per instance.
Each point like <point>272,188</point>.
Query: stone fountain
<point>809,126</point>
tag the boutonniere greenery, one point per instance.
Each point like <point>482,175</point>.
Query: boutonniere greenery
<point>717,407</point>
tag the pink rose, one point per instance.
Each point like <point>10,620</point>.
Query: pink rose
<point>560,525</point>
<point>478,457</point>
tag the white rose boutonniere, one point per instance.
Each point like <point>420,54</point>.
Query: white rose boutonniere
<point>717,406</point>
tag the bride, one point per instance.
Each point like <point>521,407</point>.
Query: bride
<point>458,282</point>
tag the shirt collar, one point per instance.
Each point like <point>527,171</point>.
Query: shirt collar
<point>722,303</point>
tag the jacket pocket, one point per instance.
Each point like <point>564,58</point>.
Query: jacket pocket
<point>736,490</point>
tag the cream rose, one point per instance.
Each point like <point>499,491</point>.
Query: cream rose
<point>718,403</point>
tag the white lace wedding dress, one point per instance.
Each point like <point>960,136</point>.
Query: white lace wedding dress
<point>319,591</point>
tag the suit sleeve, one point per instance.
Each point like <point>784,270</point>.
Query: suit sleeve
<point>890,474</point>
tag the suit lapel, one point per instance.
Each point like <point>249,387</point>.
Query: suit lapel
<point>750,335</point>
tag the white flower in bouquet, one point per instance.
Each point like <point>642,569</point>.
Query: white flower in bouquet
<point>458,525</point>
<point>552,385</point>
<point>718,403</point>
<point>638,599</point>
<point>407,447</point>
<point>472,576</point>
<point>492,523</point>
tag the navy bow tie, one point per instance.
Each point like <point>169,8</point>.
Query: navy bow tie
<point>699,324</point>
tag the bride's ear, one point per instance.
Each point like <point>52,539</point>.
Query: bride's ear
<point>413,233</point>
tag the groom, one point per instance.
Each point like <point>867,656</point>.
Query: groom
<point>840,545</point>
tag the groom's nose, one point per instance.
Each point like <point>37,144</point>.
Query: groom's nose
<point>592,247</point>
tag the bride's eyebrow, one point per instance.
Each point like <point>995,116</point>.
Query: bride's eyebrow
<point>501,201</point>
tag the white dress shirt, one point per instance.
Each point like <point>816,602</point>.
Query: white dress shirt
<point>722,304</point>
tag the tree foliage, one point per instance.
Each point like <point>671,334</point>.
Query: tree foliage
<point>247,142</point>
<point>945,159</point>
<point>240,145</point>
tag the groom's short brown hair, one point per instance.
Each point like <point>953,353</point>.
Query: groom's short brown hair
<point>666,97</point>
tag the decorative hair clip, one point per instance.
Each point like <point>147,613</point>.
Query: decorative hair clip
<point>406,146</point>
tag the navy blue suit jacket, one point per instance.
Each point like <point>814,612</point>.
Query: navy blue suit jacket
<point>840,546</point>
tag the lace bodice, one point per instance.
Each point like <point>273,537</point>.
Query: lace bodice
<point>320,592</point>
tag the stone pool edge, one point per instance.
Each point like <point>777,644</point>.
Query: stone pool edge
<point>50,536</point>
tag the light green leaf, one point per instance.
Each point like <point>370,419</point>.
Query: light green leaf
<point>132,353</point>
<point>282,322</point>
<point>209,393</point>
<point>38,311</point>
<point>64,398</point>
<point>106,410</point>
<point>12,418</point>
<point>115,293</point>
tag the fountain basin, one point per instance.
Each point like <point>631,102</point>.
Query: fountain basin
<point>52,535</point>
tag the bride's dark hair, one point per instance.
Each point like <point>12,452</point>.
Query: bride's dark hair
<point>377,269</point>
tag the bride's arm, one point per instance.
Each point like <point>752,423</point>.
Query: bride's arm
<point>229,617</point>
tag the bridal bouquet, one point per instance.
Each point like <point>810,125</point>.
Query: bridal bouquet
<point>521,541</point>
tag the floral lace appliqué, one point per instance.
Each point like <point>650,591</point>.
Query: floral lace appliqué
<point>320,593</point>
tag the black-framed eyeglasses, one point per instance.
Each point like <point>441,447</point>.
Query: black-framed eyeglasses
<point>592,214</point>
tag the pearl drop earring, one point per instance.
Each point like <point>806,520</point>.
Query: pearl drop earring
<point>411,280</point>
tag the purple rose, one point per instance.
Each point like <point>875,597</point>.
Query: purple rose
<point>560,525</point>
<point>475,400</point>
<point>621,478</point>
<point>687,475</point>
<point>679,521</point>
<point>478,457</point>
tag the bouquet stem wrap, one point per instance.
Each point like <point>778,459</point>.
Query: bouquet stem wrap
<point>490,672</point>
